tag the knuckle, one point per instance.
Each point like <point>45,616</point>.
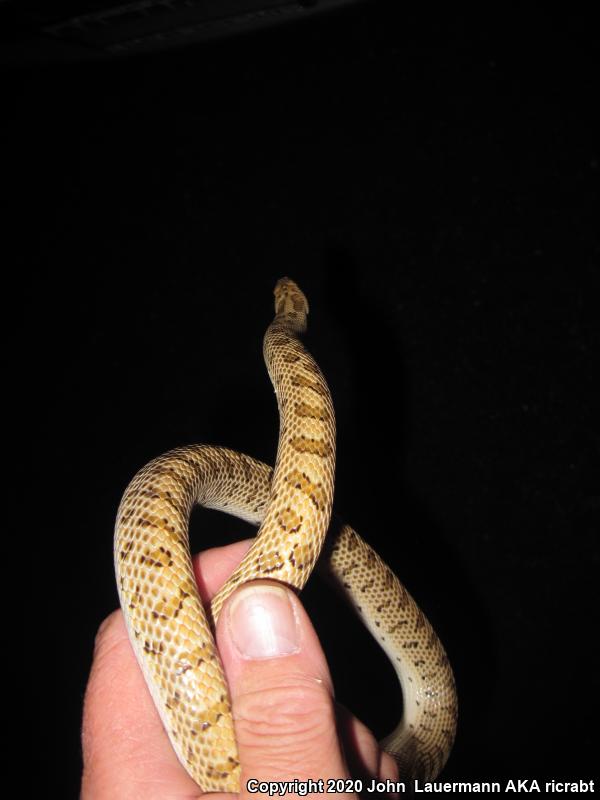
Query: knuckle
<point>292,719</point>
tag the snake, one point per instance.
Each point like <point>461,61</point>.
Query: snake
<point>171,632</point>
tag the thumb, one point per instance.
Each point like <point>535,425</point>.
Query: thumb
<point>281,690</point>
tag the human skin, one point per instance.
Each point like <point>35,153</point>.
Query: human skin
<point>287,723</point>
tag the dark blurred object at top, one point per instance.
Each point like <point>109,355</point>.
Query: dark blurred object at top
<point>34,30</point>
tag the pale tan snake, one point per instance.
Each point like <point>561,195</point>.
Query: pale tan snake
<point>168,627</point>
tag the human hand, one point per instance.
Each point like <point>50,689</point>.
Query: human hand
<point>287,724</point>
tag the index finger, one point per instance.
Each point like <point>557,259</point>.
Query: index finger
<point>126,751</point>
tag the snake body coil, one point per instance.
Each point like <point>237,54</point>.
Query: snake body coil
<point>168,627</point>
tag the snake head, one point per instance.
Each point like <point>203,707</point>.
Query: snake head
<point>291,306</point>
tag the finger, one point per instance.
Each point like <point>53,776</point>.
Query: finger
<point>364,757</point>
<point>213,567</point>
<point>126,751</point>
<point>281,691</point>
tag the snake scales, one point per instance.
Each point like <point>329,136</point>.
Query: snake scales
<point>171,633</point>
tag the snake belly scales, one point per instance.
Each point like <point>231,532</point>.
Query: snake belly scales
<point>170,631</point>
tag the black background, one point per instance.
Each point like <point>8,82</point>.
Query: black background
<point>429,184</point>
